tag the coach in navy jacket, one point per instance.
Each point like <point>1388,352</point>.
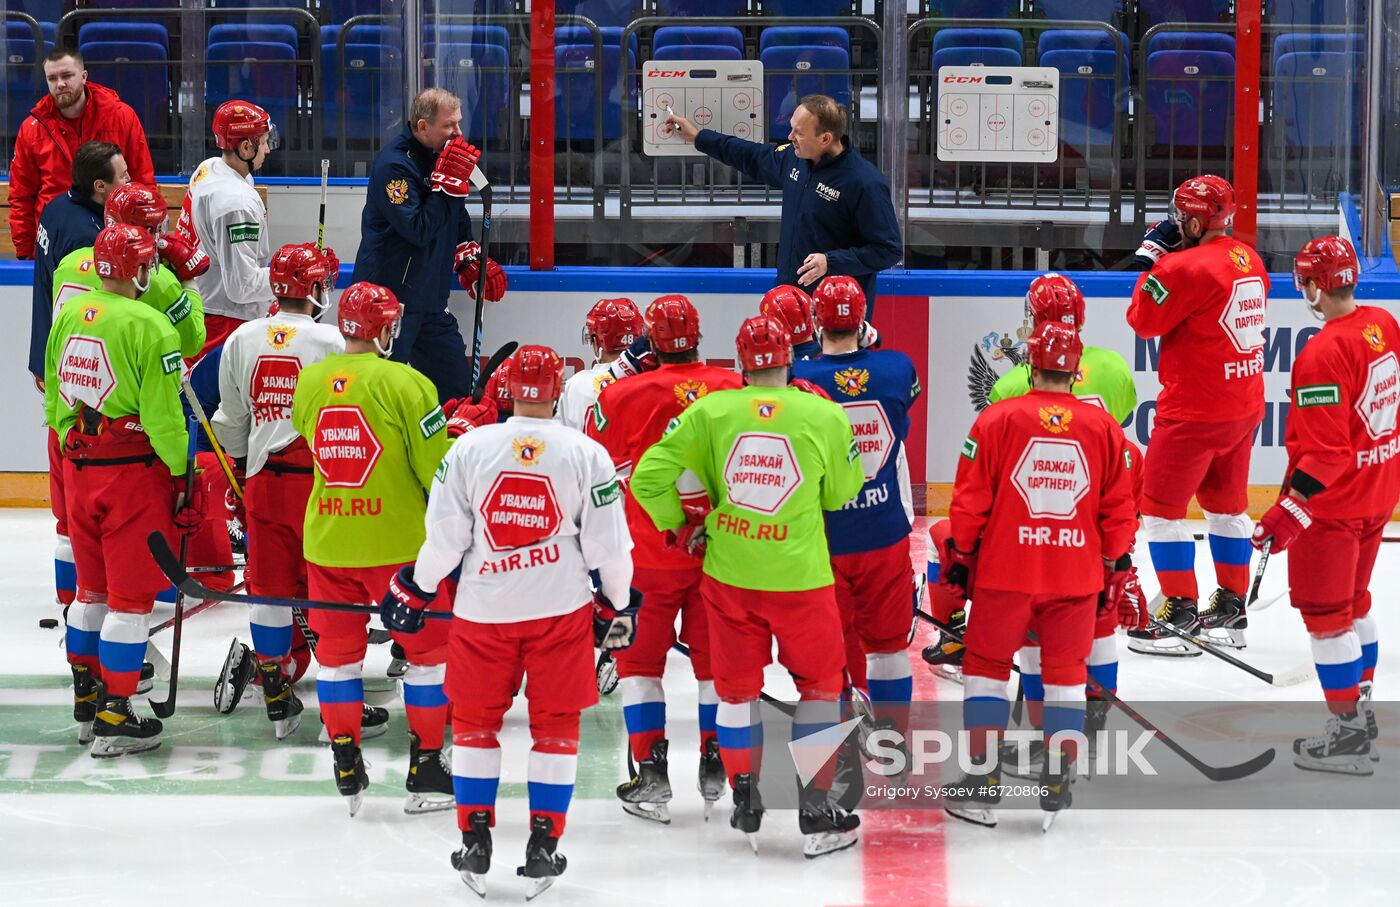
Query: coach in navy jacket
<point>408,238</point>
<point>837,213</point>
<point>71,221</point>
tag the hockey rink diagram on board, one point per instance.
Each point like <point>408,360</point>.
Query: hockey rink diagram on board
<point>723,95</point>
<point>998,114</point>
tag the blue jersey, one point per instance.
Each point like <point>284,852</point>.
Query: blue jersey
<point>876,389</point>
<point>69,222</point>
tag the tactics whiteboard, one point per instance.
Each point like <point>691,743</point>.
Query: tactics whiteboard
<point>723,95</point>
<point>1003,114</point>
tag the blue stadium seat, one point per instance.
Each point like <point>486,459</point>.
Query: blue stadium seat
<point>443,33</point>
<point>21,88</point>
<point>974,9</point>
<point>359,84</point>
<point>805,8</point>
<point>712,35</point>
<point>124,30</point>
<point>258,71</point>
<point>804,36</point>
<point>1092,10</point>
<point>979,37</point>
<point>1155,12</point>
<point>975,56</point>
<point>258,32</point>
<point>1317,100</point>
<point>1192,40</point>
<point>575,91</point>
<point>360,33</point>
<point>43,10</point>
<point>1189,96</point>
<point>1310,12</point>
<point>1087,94</point>
<point>792,73</point>
<point>139,71</point>
<point>1313,42</point>
<point>604,13</point>
<point>697,52</point>
<point>579,34</point>
<point>476,73</point>
<point>701,7</point>
<point>340,10</point>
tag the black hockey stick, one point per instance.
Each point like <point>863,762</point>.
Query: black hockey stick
<point>197,609</point>
<point>167,708</point>
<point>1214,773</point>
<point>478,179</point>
<point>501,355</point>
<point>1286,679</point>
<point>321,220</point>
<point>165,559</point>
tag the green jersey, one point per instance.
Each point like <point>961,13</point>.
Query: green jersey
<point>771,459</point>
<point>377,435</point>
<point>116,356</point>
<point>182,305</point>
<point>1103,379</point>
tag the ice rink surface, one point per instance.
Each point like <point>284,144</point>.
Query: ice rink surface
<point>221,814</point>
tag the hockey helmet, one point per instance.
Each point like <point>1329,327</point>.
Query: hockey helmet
<point>1055,348</point>
<point>763,342</point>
<point>793,307</point>
<point>135,204</point>
<point>673,324</point>
<point>1329,262</point>
<point>612,324</point>
<point>301,271</point>
<point>537,375</point>
<point>121,249</point>
<point>236,120</point>
<point>840,303</point>
<point>366,309</point>
<point>1206,201</point>
<point>1054,297</point>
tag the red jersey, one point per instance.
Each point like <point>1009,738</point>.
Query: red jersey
<point>1341,428</point>
<point>631,416</point>
<point>1207,304</point>
<point>1044,493</point>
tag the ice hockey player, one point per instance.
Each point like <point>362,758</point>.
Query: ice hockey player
<point>629,417</point>
<point>112,393</point>
<point>376,434</point>
<point>793,307</point>
<point>1342,485</point>
<point>1207,302</point>
<point>525,509</point>
<point>610,327</point>
<point>869,536</point>
<point>1035,547</point>
<point>257,377</point>
<point>767,566</point>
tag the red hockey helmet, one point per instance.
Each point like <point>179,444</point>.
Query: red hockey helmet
<point>1208,201</point>
<point>763,342</point>
<point>121,249</point>
<point>135,204</point>
<point>840,303</point>
<point>793,307</point>
<point>537,375</point>
<point>300,271</point>
<point>235,121</point>
<point>1055,348</point>
<point>1328,261</point>
<point>1055,298</point>
<point>673,324</point>
<point>366,309</point>
<point>612,324</point>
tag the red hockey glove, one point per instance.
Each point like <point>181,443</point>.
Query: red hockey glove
<point>1282,523</point>
<point>453,171</point>
<point>233,503</point>
<point>333,261</point>
<point>1123,593</point>
<point>691,538</point>
<point>402,607</point>
<point>189,512</point>
<point>498,389</point>
<point>468,415</point>
<point>468,268</point>
<point>274,309</point>
<point>185,258</point>
<point>614,628</point>
<point>806,386</point>
<point>959,569</point>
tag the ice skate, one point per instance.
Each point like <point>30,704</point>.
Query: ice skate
<point>398,662</point>
<point>946,655</point>
<point>1343,748</point>
<point>117,730</point>
<point>350,776</point>
<point>374,722</point>
<point>848,776</point>
<point>1011,759</point>
<point>239,667</point>
<point>1095,720</point>
<point>1368,711</point>
<point>473,860</point>
<point>1224,622</point>
<point>429,781</point>
<point>972,798</point>
<point>713,781</point>
<point>747,814</point>
<point>542,864</point>
<point>283,707</point>
<point>1055,794</point>
<point>1180,613</point>
<point>147,680</point>
<point>828,827</point>
<point>648,791</point>
<point>87,691</point>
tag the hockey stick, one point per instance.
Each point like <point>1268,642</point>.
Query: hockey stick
<point>1214,773</point>
<point>197,609</point>
<point>1259,574</point>
<point>321,221</point>
<point>1286,679</point>
<point>198,410</point>
<point>774,702</point>
<point>478,179</point>
<point>167,708</point>
<point>501,355</point>
<point>165,559</point>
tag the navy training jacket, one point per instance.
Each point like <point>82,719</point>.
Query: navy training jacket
<point>69,222</point>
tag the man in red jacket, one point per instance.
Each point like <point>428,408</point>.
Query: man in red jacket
<point>75,111</point>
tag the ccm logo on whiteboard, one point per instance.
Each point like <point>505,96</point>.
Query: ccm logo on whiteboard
<point>962,80</point>
<point>670,73</point>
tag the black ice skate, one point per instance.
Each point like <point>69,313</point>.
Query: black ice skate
<point>147,680</point>
<point>828,827</point>
<point>283,707</point>
<point>542,864</point>
<point>87,691</point>
<point>848,776</point>
<point>239,667</point>
<point>972,798</point>
<point>1055,796</point>
<point>1011,764</point>
<point>946,655</point>
<point>429,781</point>
<point>374,722</point>
<point>1095,720</point>
<point>117,730</point>
<point>1343,748</point>
<point>713,780</point>
<point>398,662</point>
<point>747,814</point>
<point>648,791</point>
<point>1368,712</point>
<point>474,859</point>
<point>351,779</point>
<point>1224,622</point>
<point>1180,613</point>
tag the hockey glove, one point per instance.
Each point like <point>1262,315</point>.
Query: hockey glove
<point>1123,593</point>
<point>614,628</point>
<point>404,603</point>
<point>959,569</point>
<point>867,337</point>
<point>233,503</point>
<point>634,360</point>
<point>692,537</point>
<point>1164,237</point>
<point>189,512</point>
<point>468,268</point>
<point>333,265</point>
<point>806,386</point>
<point>469,415</point>
<point>1283,523</point>
<point>185,258</point>
<point>453,171</point>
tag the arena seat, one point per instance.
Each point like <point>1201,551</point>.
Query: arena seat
<point>476,73</point>
<point>1317,100</point>
<point>444,33</point>
<point>792,73</point>
<point>1309,12</point>
<point>575,89</point>
<point>1155,12</point>
<point>363,34</point>
<point>260,71</point>
<point>979,37</point>
<point>697,52</point>
<point>1090,97</point>
<point>804,36</point>
<point>254,32</point>
<point>708,35</point>
<point>139,71</point>
<point>1092,10</point>
<point>604,13</point>
<point>975,56</point>
<point>21,89</point>
<point>1313,42</point>
<point>359,84</point>
<point>1189,96</point>
<point>124,30</point>
<point>1219,42</point>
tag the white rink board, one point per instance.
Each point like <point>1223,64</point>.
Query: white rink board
<point>1006,114</point>
<point>723,95</point>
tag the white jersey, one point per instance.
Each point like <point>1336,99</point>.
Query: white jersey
<point>257,376</point>
<point>581,392</point>
<point>231,222</point>
<point>526,507</point>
